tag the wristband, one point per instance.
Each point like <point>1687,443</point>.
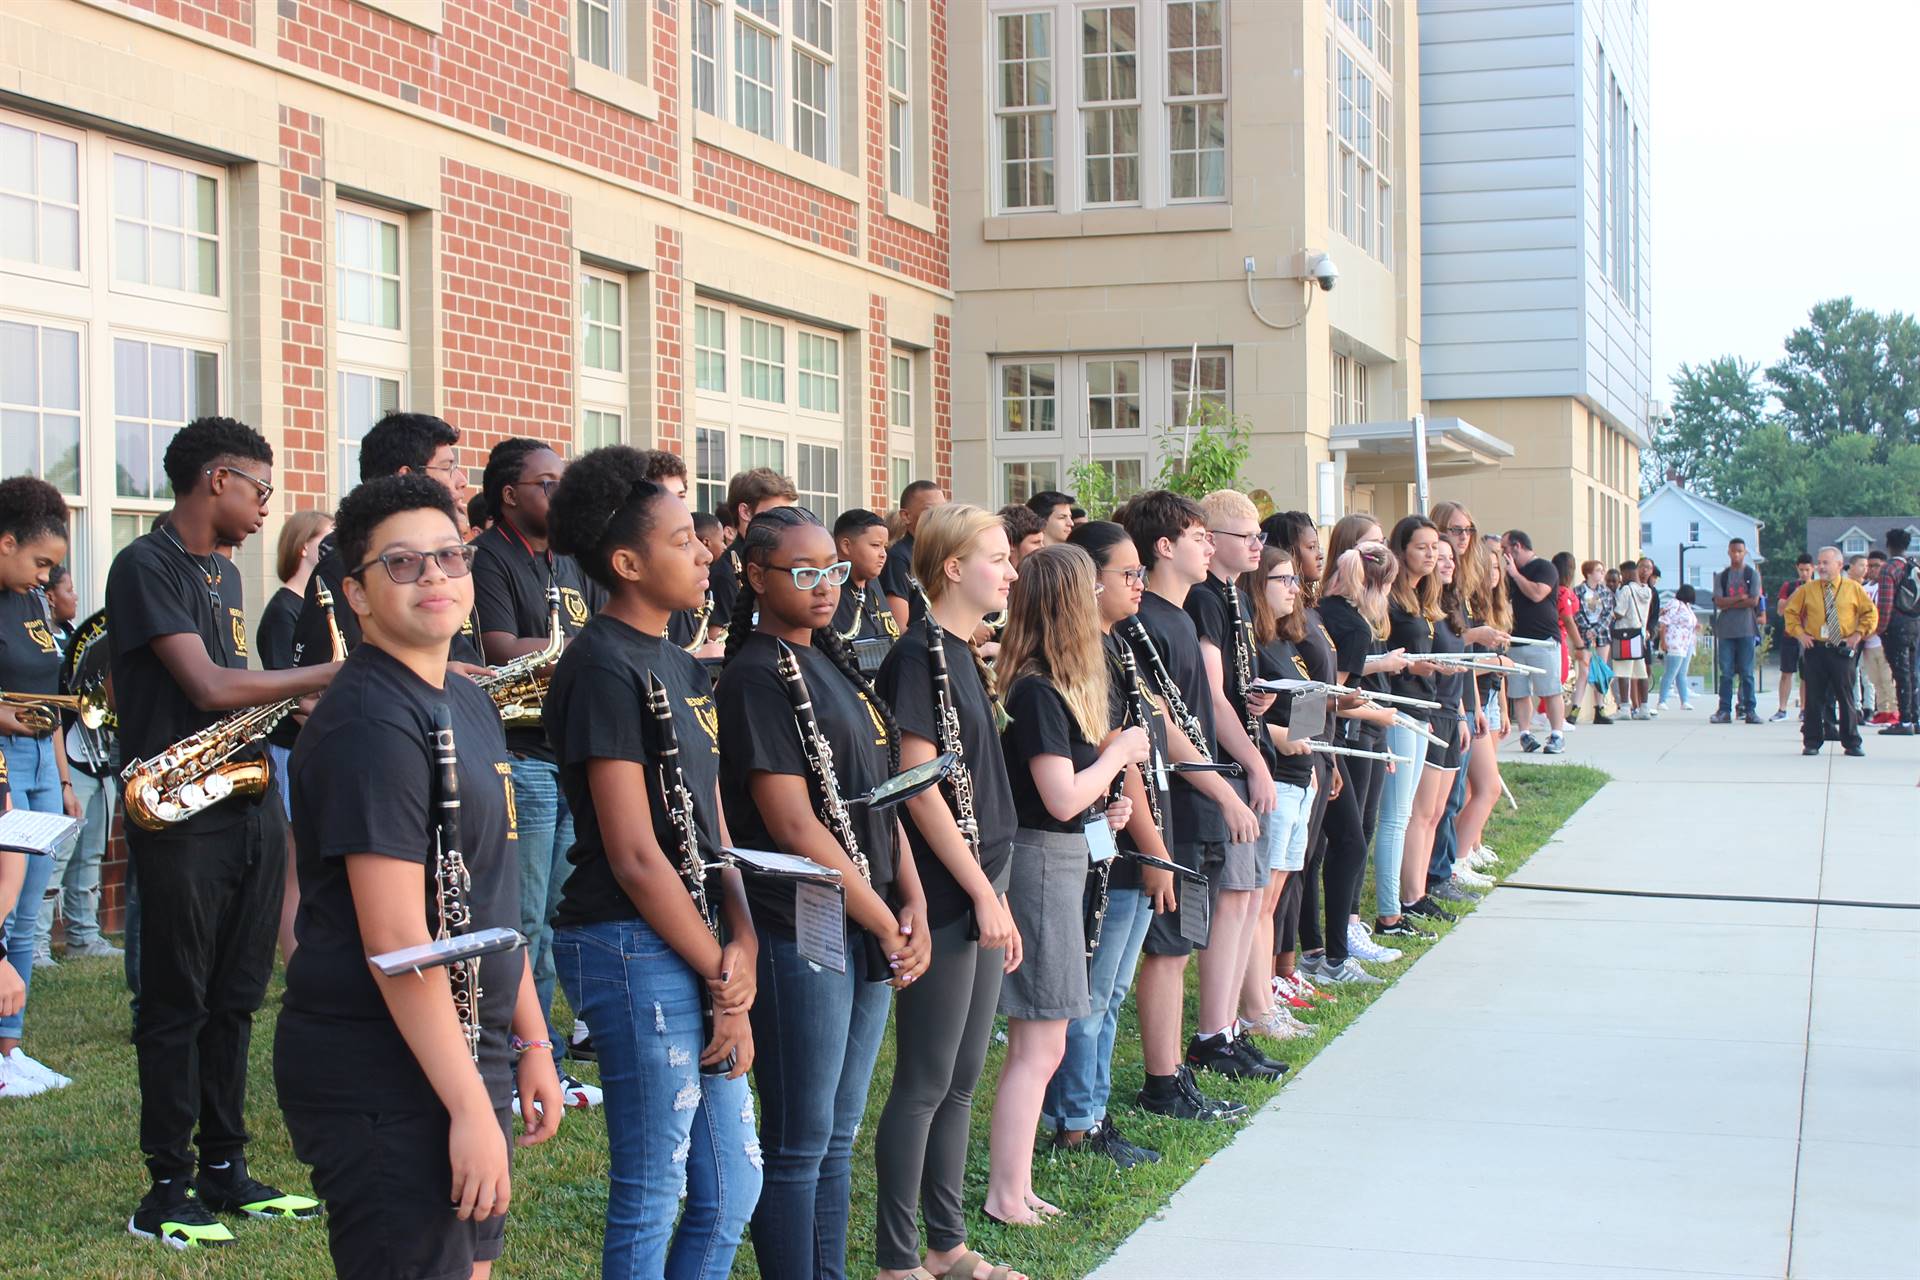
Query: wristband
<point>525,1046</point>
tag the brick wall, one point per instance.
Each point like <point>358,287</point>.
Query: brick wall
<point>879,402</point>
<point>766,197</point>
<point>227,19</point>
<point>891,243</point>
<point>301,470</point>
<point>943,402</point>
<point>669,333</point>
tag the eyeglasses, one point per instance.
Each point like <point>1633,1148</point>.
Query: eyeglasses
<point>407,567</point>
<point>1133,577</point>
<point>1461,531</point>
<point>1254,539</point>
<point>453,469</point>
<point>265,489</point>
<point>545,486</point>
<point>1291,579</point>
<point>808,578</point>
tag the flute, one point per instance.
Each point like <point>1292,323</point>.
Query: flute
<point>1329,749</point>
<point>1486,664</point>
<point>677,799</point>
<point>452,882</point>
<point>1344,691</point>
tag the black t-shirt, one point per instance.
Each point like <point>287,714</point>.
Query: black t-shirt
<point>156,589</point>
<point>757,723</point>
<point>1450,687</point>
<point>723,584</point>
<point>275,634</point>
<point>1041,725</point>
<point>510,594</point>
<point>1207,605</point>
<point>1415,634</point>
<point>862,614</point>
<point>1194,818</point>
<point>1353,642</point>
<point>596,709</point>
<point>906,683</point>
<point>365,781</point>
<point>313,647</point>
<point>30,647</point>
<point>894,575</point>
<point>1123,707</point>
<point>1537,619</point>
<point>1283,659</point>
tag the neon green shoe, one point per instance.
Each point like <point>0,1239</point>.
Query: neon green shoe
<point>231,1189</point>
<point>174,1216</point>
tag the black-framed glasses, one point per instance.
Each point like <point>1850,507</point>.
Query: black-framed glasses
<point>1255,539</point>
<point>407,567</point>
<point>1132,577</point>
<point>1290,579</point>
<point>1461,531</point>
<point>545,486</point>
<point>808,577</point>
<point>265,489</point>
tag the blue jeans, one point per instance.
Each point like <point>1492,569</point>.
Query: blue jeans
<point>816,1034</point>
<point>1736,658</point>
<point>75,876</point>
<point>1077,1095</point>
<point>545,835</point>
<point>1674,679</point>
<point>282,758</point>
<point>34,779</point>
<point>1396,807</point>
<point>681,1143</point>
<point>1446,844</point>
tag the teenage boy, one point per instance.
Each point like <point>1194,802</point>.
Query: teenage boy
<point>1532,581</point>
<point>860,538</point>
<point>1026,532</point>
<point>916,500</point>
<point>748,494</point>
<point>1736,633</point>
<point>513,569</point>
<point>210,886</point>
<point>1170,533</point>
<point>1055,510</point>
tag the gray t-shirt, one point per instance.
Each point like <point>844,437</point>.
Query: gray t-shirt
<point>1732,624</point>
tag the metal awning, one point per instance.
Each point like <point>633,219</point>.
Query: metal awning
<point>1384,450</point>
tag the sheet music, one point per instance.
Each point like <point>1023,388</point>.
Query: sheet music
<point>788,865</point>
<point>25,831</point>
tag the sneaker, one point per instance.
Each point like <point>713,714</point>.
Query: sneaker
<point>1184,1101</point>
<point>1349,971</point>
<point>1448,891</point>
<point>1110,1134</point>
<point>1402,928</point>
<point>1685,705</point>
<point>1279,1024</point>
<point>1302,987</point>
<point>1538,722</point>
<point>1721,717</point>
<point>34,1069</point>
<point>1472,879</point>
<point>1255,1057</point>
<point>1361,946</point>
<point>1480,857</point>
<point>1776,717</point>
<point>1428,909</point>
<point>1100,1140</point>
<point>172,1215</point>
<point>580,1043</point>
<point>1752,718</point>
<point>1284,996</point>
<point>17,1083</point>
<point>1653,713</point>
<point>1809,751</point>
<point>229,1188</point>
<point>1884,717</point>
<point>1222,1055</point>
<point>1662,707</point>
<point>1556,744</point>
<point>1599,717</point>
<point>1898,731</point>
<point>1852,751</point>
<point>98,949</point>
<point>1529,743</point>
<point>577,1095</point>
<point>1311,965</point>
<point>43,959</point>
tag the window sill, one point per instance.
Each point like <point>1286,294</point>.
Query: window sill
<point>615,89</point>
<point>913,213</point>
<point>731,138</point>
<point>425,14</point>
<point>1109,222</point>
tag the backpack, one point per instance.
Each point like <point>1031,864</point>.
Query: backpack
<point>1906,595</point>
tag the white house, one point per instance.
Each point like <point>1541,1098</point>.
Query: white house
<point>1673,516</point>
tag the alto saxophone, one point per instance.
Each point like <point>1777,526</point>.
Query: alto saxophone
<point>199,771</point>
<point>700,617</point>
<point>519,687</point>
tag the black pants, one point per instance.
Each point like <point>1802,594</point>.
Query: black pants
<point>210,908</point>
<point>1297,915</point>
<point>1900,646</point>
<point>1342,866</point>
<point>1831,711</point>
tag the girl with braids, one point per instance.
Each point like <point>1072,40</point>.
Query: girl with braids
<point>1413,626</point>
<point>630,942</point>
<point>1063,754</point>
<point>943,1021</point>
<point>818,1031</point>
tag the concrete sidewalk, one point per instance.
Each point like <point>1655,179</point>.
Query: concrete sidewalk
<point>1593,1086</point>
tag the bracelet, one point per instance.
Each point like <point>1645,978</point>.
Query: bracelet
<point>66,784</point>
<point>524,1046</point>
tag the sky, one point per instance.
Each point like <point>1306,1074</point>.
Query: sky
<point>1784,169</point>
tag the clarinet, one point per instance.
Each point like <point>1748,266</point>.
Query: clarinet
<point>452,882</point>
<point>677,799</point>
<point>1188,722</point>
<point>960,781</point>
<point>1138,712</point>
<point>1243,669</point>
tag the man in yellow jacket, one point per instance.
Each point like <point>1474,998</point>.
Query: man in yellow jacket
<point>1830,617</point>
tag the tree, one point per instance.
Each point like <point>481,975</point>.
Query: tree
<point>1768,477</point>
<point>1207,454</point>
<point>1714,406</point>
<point>1851,371</point>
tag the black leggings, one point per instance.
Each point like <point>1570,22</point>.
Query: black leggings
<point>1297,913</point>
<point>1346,859</point>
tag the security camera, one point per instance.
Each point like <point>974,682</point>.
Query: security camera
<point>1324,272</point>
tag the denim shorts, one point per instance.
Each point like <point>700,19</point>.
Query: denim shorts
<point>1286,827</point>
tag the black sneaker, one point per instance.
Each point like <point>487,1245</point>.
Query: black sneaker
<point>1402,928</point>
<point>1102,1140</point>
<point>1111,1133</point>
<point>1856,752</point>
<point>1431,910</point>
<point>1448,891</point>
<point>171,1214</point>
<point>1897,731</point>
<point>1599,717</point>
<point>1215,1108</point>
<point>1528,742</point>
<point>231,1189</point>
<point>1809,751</point>
<point>1253,1056</point>
<point>1219,1055</point>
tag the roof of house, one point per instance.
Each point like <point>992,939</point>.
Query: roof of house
<point>1831,531</point>
<point>1731,519</point>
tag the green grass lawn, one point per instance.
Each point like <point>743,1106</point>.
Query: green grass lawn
<point>72,1172</point>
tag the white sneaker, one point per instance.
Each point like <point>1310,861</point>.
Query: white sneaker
<point>1360,945</point>
<point>34,1069</point>
<point>1480,858</point>
<point>578,1094</point>
<point>1467,876</point>
<point>1349,971</point>
<point>17,1083</point>
<point>1276,1026</point>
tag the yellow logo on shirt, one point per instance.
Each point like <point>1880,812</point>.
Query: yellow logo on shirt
<point>709,717</point>
<point>513,813</point>
<point>238,622</point>
<point>37,632</point>
<point>887,623</point>
<point>575,605</point>
<point>1300,665</point>
<point>879,725</point>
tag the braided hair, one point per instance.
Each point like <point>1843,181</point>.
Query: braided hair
<point>763,535</point>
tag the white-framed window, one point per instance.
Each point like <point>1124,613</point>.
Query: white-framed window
<point>604,395</point>
<point>1359,115</point>
<point>819,383</point>
<point>763,360</point>
<point>368,279</point>
<point>899,100</point>
<point>1646,533</point>
<point>1128,101</point>
<point>813,78</point>
<point>1855,544</point>
<point>1357,394</point>
<point>1693,531</point>
<point>364,397</point>
<point>769,67</point>
<point>817,478</point>
<point>710,473</point>
<point>754,75</point>
<point>371,351</point>
<point>899,474</point>
<point>158,387</point>
<point>40,403</point>
<point>39,197</point>
<point>901,445</point>
<point>706,56</point>
<point>709,348</point>
<point>1340,373</point>
<point>600,427</point>
<point>1116,409</point>
<point>596,36</point>
<point>166,224</point>
<point>763,451</point>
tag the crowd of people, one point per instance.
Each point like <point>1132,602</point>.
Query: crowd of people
<point>1180,735</point>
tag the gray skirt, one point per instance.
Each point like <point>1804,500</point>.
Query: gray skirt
<point>1045,893</point>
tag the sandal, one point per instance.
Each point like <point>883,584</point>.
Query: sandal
<point>967,1267</point>
<point>920,1273</point>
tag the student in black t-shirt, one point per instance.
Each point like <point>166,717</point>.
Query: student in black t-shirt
<point>1064,755</point>
<point>817,1028</point>
<point>294,559</point>
<point>943,1020</point>
<point>669,471</point>
<point>916,500</point>
<point>1413,623</point>
<point>210,885</point>
<point>394,1093</point>
<point>1170,534</point>
<point>513,568</point>
<point>860,537</point>
<point>748,494</point>
<point>1535,584</point>
<point>33,540</point>
<point>633,948</point>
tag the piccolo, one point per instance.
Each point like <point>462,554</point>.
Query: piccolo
<point>1343,691</point>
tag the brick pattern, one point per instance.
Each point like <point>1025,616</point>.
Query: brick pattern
<point>507,298</point>
<point>943,402</point>
<point>669,332</point>
<point>896,245</point>
<point>302,462</point>
<point>738,187</point>
<point>505,67</point>
<point>227,19</point>
<point>879,402</point>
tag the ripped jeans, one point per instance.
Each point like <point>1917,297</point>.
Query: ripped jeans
<point>682,1143</point>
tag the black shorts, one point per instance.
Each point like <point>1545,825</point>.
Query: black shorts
<point>1789,656</point>
<point>1163,932</point>
<point>1449,756</point>
<point>387,1183</point>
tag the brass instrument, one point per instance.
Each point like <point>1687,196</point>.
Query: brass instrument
<point>700,617</point>
<point>519,688</point>
<point>324,598</point>
<point>39,713</point>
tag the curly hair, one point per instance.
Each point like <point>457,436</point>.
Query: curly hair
<point>372,501</point>
<point>31,509</point>
<point>504,466</point>
<point>204,441</point>
<point>604,501</point>
<point>403,440</point>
